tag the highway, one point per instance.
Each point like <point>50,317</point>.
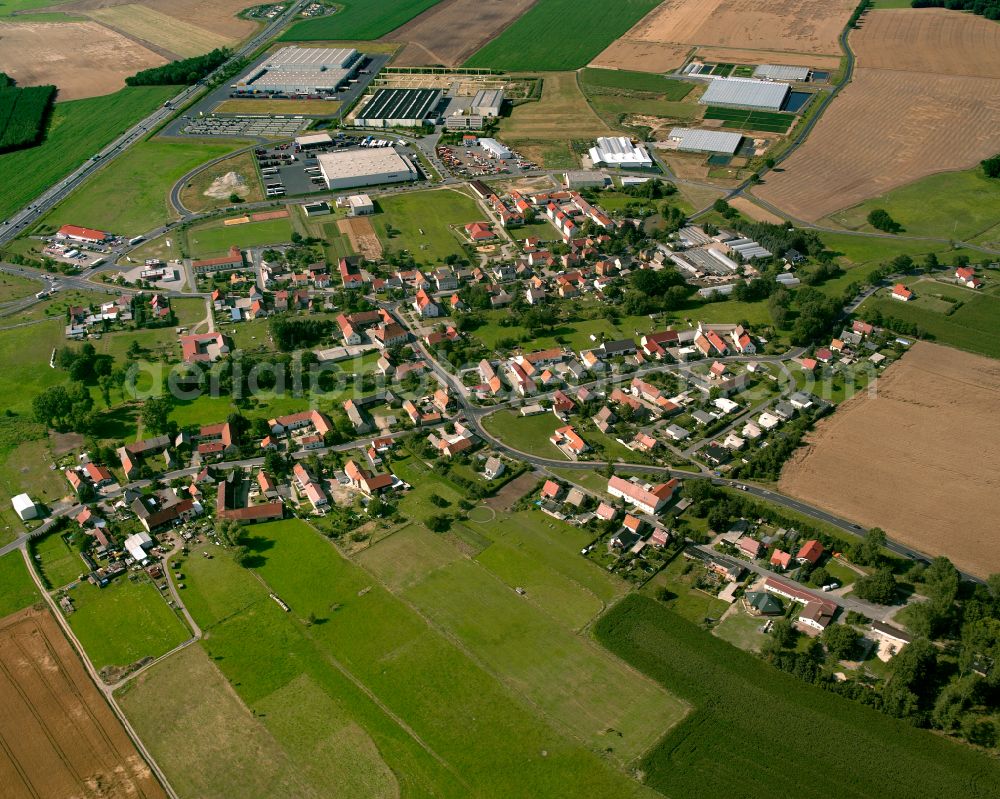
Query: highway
<point>26,217</point>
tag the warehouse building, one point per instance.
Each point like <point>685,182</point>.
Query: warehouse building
<point>496,149</point>
<point>400,108</point>
<point>618,151</point>
<point>764,95</point>
<point>301,70</point>
<point>313,140</point>
<point>781,72</point>
<point>696,140</point>
<point>344,170</point>
<point>488,102</point>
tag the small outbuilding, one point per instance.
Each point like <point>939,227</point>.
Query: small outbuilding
<point>25,507</point>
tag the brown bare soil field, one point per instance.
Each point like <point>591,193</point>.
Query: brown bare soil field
<point>801,26</point>
<point>640,56</point>
<point>217,16</point>
<point>362,235</point>
<point>920,460</point>
<point>451,31</point>
<point>83,59</point>
<point>754,211</point>
<point>890,126</point>
<point>739,56</point>
<point>508,496</point>
<point>59,736</point>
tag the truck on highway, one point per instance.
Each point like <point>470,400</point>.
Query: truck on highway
<point>136,240</point>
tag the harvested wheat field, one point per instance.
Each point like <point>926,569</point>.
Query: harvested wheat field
<point>450,31</point>
<point>217,16</point>
<point>83,59</point>
<point>59,736</point>
<point>639,56</point>
<point>164,31</point>
<point>892,126</point>
<point>800,26</point>
<point>735,55</point>
<point>362,236</point>
<point>920,460</point>
<point>561,113</point>
<point>754,211</point>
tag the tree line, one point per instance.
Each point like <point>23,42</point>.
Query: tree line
<point>983,8</point>
<point>184,72</point>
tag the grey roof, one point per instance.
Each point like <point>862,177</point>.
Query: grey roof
<point>706,141</point>
<point>781,72</point>
<point>745,93</point>
<point>394,104</point>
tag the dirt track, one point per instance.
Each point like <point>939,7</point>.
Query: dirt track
<point>59,737</point>
<point>925,98</point>
<point>921,460</point>
<point>449,32</point>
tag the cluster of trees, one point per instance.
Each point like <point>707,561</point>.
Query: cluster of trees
<point>861,8</point>
<point>295,333</point>
<point>24,113</point>
<point>984,8</point>
<point>764,463</point>
<point>64,408</point>
<point>654,189</point>
<point>879,219</point>
<point>651,291</point>
<point>991,167</point>
<point>779,239</point>
<point>181,73</point>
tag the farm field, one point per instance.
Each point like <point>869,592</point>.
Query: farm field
<point>634,82</point>
<point>216,238</point>
<point>430,37</point>
<point>739,697</point>
<point>509,635</point>
<point>358,19</point>
<point>83,59</point>
<point>129,196</point>
<point>168,32</point>
<point>397,693</point>
<point>893,456</point>
<point>77,130</point>
<point>60,736</point>
<point>542,130</point>
<point>892,125</point>
<point>785,25</point>
<point>655,57</point>
<point>17,589</point>
<point>559,35</point>
<point>124,622</point>
<point>211,742</point>
<point>213,187</point>
<point>956,205</point>
<point>430,212</point>
<point>742,119</point>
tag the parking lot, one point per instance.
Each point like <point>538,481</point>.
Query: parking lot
<point>472,161</point>
<point>253,126</point>
<point>288,171</point>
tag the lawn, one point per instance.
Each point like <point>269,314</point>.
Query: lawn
<point>216,238</point>
<point>865,249</point>
<point>972,327</point>
<point>635,82</point>
<point>950,205</point>
<point>125,622</point>
<point>359,645</point>
<point>78,129</point>
<point>17,589</point>
<point>358,19</point>
<point>611,106</point>
<point>130,196</point>
<point>740,698</point>
<point>576,334</point>
<point>420,223</point>
<point>15,287</point>
<point>560,34</point>
<point>58,563</point>
<point>526,433</point>
<point>685,600</point>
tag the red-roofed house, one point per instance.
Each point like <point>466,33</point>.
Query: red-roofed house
<point>781,559</point>
<point>648,500</point>
<point>569,442</point>
<point>203,347</point>
<point>551,490</point>
<point>901,293</point>
<point>479,231</point>
<point>810,552</point>
<point>86,234</point>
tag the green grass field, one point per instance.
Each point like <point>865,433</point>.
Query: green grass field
<point>610,106</point>
<point>77,130</point>
<point>17,589</point>
<point>973,327</point>
<point>430,212</point>
<point>58,563</point>
<point>354,655</point>
<point>130,196</point>
<point>635,82</point>
<point>124,622</point>
<point>216,239</point>
<point>15,287</point>
<point>559,34</point>
<point>527,433</point>
<point>358,19</point>
<point>743,119</point>
<point>740,699</point>
<point>951,205</point>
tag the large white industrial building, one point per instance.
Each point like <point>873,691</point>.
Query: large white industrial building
<point>781,72</point>
<point>301,70</point>
<point>487,102</point>
<point>746,93</point>
<point>697,140</point>
<point>496,149</point>
<point>343,170</point>
<point>618,151</point>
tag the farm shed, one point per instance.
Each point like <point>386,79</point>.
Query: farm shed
<point>781,72</point>
<point>745,93</point>
<point>25,507</point>
<point>696,140</point>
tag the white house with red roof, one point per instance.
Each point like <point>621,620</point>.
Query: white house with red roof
<point>966,275</point>
<point>86,234</point>
<point>649,500</point>
<point>569,442</point>
<point>901,293</point>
